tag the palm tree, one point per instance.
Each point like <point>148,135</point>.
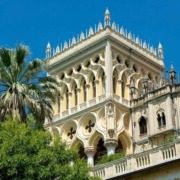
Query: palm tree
<point>23,87</point>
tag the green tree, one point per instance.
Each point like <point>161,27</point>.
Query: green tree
<point>23,87</point>
<point>30,153</point>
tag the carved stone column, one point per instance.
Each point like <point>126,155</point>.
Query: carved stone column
<point>111,140</point>
<point>111,145</point>
<point>78,95</point>
<point>90,152</point>
<point>96,84</point>
<point>70,100</point>
<point>87,92</point>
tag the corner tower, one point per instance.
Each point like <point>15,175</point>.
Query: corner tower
<point>97,71</point>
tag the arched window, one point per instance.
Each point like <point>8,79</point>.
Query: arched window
<point>100,150</point>
<point>81,152</point>
<point>94,86</point>
<point>115,77</point>
<point>127,63</point>
<point>97,59</point>
<point>84,91</point>
<point>142,126</point>
<point>118,59</point>
<point>119,147</point>
<point>103,82</point>
<point>161,118</point>
<point>123,85</point>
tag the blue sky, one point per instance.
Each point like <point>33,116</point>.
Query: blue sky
<point>35,22</point>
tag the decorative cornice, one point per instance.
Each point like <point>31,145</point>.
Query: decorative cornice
<point>113,27</point>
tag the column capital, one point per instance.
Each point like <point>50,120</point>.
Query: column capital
<point>87,85</point>
<point>111,141</point>
<point>96,81</point>
<point>111,145</point>
<point>119,80</point>
<point>90,152</point>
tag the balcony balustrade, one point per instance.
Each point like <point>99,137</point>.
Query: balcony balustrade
<point>140,161</point>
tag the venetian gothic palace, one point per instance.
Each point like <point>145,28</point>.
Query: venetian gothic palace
<point>115,101</point>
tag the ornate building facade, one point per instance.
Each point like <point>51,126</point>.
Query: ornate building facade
<point>114,99</point>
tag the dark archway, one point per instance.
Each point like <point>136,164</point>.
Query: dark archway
<point>119,147</point>
<point>81,152</point>
<point>100,150</point>
<point>142,126</point>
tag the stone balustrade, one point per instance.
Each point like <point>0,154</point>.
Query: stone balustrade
<point>121,100</point>
<point>88,104</point>
<point>152,94</point>
<point>79,107</point>
<point>136,162</point>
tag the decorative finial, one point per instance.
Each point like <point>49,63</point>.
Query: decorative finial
<point>114,26</point>
<point>91,32</point>
<point>107,18</point>
<point>48,45</point>
<point>82,36</point>
<point>48,50</point>
<point>57,49</point>
<point>100,26</point>
<point>172,74</point>
<point>160,46</point>
<point>160,51</point>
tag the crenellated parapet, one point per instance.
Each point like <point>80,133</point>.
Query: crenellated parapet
<point>122,32</point>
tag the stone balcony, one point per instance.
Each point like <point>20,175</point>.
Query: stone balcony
<point>136,162</point>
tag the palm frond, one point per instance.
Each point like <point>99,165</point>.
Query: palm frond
<point>20,54</point>
<point>5,57</point>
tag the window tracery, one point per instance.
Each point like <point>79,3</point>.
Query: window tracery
<point>142,126</point>
<point>161,118</point>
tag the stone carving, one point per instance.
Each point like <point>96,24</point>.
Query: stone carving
<point>111,133</point>
<point>110,110</point>
<point>110,119</point>
<point>90,126</point>
<point>71,133</point>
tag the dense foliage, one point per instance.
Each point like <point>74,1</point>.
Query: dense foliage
<point>113,157</point>
<point>23,88</point>
<point>29,153</point>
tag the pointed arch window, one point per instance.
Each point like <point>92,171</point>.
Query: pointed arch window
<point>115,77</point>
<point>100,150</point>
<point>103,82</point>
<point>94,86</point>
<point>161,119</point>
<point>114,84</point>
<point>67,99</point>
<point>142,126</point>
<point>123,85</point>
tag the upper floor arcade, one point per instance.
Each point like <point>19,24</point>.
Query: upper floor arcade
<point>105,73</point>
<point>103,64</point>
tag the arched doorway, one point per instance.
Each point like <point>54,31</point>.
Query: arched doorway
<point>100,150</point>
<point>81,152</point>
<point>119,148</point>
<point>77,146</point>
